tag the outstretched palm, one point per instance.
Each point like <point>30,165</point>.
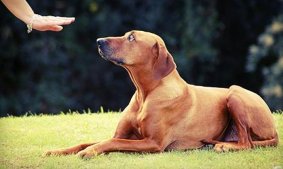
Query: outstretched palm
<point>50,23</point>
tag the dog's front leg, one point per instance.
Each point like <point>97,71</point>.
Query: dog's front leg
<point>114,144</point>
<point>70,150</point>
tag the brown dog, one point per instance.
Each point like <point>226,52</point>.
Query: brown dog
<point>166,113</point>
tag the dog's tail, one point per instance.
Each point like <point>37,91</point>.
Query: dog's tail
<point>267,143</point>
<point>264,143</point>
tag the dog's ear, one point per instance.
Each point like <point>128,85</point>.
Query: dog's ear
<point>163,63</point>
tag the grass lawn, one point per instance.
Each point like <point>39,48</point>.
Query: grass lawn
<point>24,139</point>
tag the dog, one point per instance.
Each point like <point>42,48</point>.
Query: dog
<point>165,113</point>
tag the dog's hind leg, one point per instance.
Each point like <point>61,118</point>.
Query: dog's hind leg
<point>252,118</point>
<point>239,114</point>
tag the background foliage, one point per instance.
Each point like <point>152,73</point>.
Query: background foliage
<point>215,43</point>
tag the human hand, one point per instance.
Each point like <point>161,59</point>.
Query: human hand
<point>49,23</point>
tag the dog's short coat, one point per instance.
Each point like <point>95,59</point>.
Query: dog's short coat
<point>166,113</point>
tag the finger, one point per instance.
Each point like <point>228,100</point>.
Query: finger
<point>58,18</point>
<point>52,20</point>
<point>59,22</point>
<point>55,28</point>
<point>72,19</point>
<point>66,22</point>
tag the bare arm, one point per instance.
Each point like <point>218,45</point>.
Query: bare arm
<point>22,10</point>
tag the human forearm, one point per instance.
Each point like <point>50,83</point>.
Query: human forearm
<point>20,8</point>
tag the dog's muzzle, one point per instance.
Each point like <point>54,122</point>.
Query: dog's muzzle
<point>102,43</point>
<point>106,52</point>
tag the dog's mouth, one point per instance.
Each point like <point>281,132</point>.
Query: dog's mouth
<point>115,60</point>
<point>101,53</point>
<point>118,61</point>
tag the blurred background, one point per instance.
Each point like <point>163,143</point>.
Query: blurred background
<point>214,43</point>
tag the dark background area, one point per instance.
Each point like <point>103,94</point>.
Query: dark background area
<point>214,43</point>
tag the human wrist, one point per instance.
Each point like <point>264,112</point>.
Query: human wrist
<point>30,22</point>
<point>27,18</point>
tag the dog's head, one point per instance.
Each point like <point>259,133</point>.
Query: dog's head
<point>138,49</point>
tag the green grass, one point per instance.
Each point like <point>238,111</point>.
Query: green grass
<point>24,139</point>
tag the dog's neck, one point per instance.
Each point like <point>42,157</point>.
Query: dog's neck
<point>144,81</point>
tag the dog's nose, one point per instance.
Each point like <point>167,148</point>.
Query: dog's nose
<point>100,42</point>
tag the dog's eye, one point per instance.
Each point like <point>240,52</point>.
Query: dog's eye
<point>131,38</point>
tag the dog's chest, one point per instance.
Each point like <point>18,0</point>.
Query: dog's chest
<point>140,121</point>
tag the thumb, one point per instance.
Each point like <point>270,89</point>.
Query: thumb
<point>56,28</point>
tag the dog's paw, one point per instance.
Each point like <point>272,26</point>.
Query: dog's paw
<point>53,153</point>
<point>87,154</point>
<point>47,153</point>
<point>221,147</point>
<point>224,147</point>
